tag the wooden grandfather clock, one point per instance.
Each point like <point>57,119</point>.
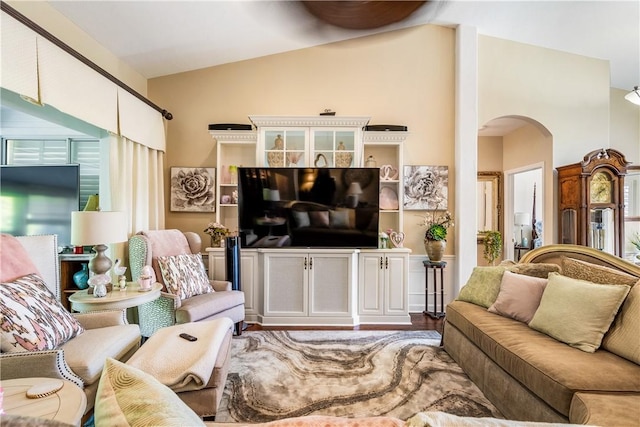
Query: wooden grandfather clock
<point>591,201</point>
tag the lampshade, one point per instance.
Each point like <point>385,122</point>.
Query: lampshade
<point>90,228</point>
<point>354,188</point>
<point>98,228</point>
<point>522,218</point>
<point>634,96</point>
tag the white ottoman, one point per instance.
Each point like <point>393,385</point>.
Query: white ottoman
<point>195,370</point>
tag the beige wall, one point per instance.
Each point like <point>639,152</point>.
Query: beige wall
<point>490,153</point>
<point>404,77</point>
<point>625,126</point>
<point>568,94</point>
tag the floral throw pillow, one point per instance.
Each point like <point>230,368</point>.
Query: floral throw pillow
<point>184,275</point>
<point>32,318</point>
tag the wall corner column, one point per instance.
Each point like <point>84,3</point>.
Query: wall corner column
<point>466,152</point>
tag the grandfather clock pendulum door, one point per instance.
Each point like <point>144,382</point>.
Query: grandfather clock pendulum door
<point>591,201</point>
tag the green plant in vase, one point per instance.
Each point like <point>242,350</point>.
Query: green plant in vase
<point>437,224</point>
<point>492,246</point>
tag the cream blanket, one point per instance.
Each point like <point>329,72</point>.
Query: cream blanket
<point>180,364</point>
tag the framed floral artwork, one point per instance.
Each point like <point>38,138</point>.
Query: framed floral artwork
<point>426,187</point>
<point>193,189</point>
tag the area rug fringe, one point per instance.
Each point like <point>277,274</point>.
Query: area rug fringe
<point>284,374</point>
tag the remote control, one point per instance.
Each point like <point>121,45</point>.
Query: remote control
<point>188,337</point>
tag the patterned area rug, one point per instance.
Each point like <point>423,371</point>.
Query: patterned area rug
<point>281,374</point>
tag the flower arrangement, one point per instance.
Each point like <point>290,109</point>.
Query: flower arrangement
<point>217,232</point>
<point>437,224</point>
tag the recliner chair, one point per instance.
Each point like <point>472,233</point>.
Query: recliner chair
<point>144,249</point>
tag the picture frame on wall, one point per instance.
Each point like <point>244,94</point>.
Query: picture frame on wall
<point>426,187</point>
<point>193,189</point>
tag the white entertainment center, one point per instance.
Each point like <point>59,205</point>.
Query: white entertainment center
<point>315,286</point>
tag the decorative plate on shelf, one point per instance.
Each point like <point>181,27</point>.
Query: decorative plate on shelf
<point>389,199</point>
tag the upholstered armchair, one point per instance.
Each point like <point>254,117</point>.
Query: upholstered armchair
<point>189,297</point>
<point>27,262</point>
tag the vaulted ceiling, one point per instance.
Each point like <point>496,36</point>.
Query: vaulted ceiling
<point>158,38</point>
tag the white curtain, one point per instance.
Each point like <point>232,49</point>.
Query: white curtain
<point>137,183</point>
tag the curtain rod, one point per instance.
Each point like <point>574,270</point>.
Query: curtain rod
<point>71,51</point>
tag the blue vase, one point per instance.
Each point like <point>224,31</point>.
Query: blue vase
<point>81,278</point>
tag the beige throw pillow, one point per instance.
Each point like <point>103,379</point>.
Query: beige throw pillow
<point>583,270</point>
<point>483,286</point>
<point>519,296</point>
<point>577,312</point>
<point>623,337</point>
<point>127,396</point>
<point>535,269</point>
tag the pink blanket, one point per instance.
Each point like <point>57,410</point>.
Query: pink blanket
<point>14,259</point>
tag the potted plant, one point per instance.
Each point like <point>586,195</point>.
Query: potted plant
<point>435,237</point>
<point>492,246</point>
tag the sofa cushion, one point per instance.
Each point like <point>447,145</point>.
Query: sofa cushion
<point>519,296</point>
<point>319,219</point>
<point>339,219</point>
<point>184,275</point>
<point>32,318</point>
<point>583,270</point>
<point>550,369</point>
<point>301,218</point>
<point>605,409</point>
<point>583,322</point>
<point>535,269</point>
<point>206,305</point>
<point>86,353</point>
<point>128,396</point>
<point>483,286</point>
<point>623,337</point>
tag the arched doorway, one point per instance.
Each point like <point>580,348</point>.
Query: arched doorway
<point>521,148</point>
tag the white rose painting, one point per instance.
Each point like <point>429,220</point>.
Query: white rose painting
<point>193,189</point>
<point>426,187</point>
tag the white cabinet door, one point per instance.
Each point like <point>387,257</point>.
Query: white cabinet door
<point>330,284</point>
<point>371,284</point>
<point>286,284</point>
<point>395,271</point>
<point>383,286</point>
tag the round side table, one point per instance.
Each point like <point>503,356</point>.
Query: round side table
<point>66,405</point>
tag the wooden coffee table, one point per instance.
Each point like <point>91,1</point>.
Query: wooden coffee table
<point>67,405</point>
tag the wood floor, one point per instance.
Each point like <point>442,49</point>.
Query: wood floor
<point>419,322</point>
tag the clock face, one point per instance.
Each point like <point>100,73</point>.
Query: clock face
<point>600,188</point>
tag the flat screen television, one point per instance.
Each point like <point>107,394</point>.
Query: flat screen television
<point>308,207</point>
<point>39,200</point>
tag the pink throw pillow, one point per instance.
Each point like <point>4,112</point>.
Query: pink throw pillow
<point>519,296</point>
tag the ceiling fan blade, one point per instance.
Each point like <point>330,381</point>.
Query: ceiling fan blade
<point>362,15</point>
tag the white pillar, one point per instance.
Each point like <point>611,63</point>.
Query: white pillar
<point>466,153</point>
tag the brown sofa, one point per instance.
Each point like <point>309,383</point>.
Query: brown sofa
<point>530,376</point>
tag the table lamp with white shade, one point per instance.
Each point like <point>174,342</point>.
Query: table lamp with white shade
<point>522,219</point>
<point>97,229</point>
<point>353,194</point>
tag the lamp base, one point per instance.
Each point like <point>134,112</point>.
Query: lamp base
<point>100,264</point>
